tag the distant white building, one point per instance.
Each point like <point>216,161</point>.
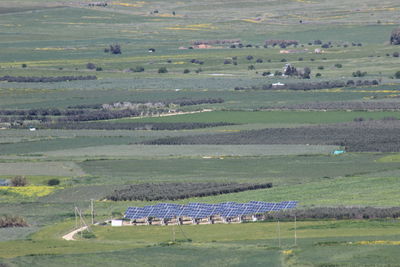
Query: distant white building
<point>116,223</point>
<point>32,129</point>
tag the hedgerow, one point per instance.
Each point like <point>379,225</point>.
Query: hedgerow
<point>174,191</point>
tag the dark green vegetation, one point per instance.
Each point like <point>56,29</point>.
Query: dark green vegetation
<point>174,191</point>
<point>12,221</point>
<point>99,98</point>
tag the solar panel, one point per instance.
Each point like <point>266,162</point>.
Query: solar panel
<point>203,210</point>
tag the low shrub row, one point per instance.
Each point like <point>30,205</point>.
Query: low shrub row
<point>174,191</point>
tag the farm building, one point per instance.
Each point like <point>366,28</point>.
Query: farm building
<point>202,213</point>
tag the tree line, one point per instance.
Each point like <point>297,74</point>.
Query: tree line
<point>174,191</point>
<point>337,213</point>
<point>311,85</point>
<point>23,79</point>
<point>133,126</point>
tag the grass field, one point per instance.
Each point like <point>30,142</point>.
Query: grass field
<point>43,38</point>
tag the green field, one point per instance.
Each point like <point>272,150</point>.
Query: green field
<point>43,38</point>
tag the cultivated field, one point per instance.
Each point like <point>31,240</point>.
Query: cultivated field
<point>135,97</point>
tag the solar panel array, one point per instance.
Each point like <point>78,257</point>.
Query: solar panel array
<point>203,210</point>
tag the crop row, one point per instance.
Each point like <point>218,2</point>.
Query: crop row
<point>22,79</point>
<point>361,136</point>
<point>174,191</point>
<point>311,85</point>
<point>133,126</point>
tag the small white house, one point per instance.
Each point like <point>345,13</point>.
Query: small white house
<point>116,223</point>
<point>32,129</point>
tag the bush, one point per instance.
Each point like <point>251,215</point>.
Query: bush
<point>19,181</point>
<point>395,37</point>
<point>53,182</point>
<point>24,65</point>
<point>12,221</point>
<point>395,54</point>
<point>320,67</point>
<point>87,235</point>
<point>397,75</point>
<point>115,49</point>
<point>359,74</point>
<point>138,69</point>
<point>90,66</point>
<point>318,75</point>
<point>162,70</point>
<point>266,73</point>
<point>99,68</point>
<point>338,65</point>
<point>186,71</point>
<point>249,57</point>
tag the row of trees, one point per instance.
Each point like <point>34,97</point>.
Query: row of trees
<point>339,105</point>
<point>101,111</point>
<point>312,85</point>
<point>365,136</point>
<point>336,213</point>
<point>21,79</point>
<point>134,126</point>
<point>174,191</point>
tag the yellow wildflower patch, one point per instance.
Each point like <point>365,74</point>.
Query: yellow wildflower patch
<point>253,20</point>
<point>29,191</point>
<point>287,252</point>
<point>136,4</point>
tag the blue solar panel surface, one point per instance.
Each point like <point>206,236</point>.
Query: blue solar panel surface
<point>202,210</point>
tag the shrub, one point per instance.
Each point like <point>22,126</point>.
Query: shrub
<point>162,70</point>
<point>283,60</point>
<point>12,221</point>
<point>19,181</point>
<point>87,235</point>
<point>138,69</point>
<point>24,65</point>
<point>397,75</point>
<point>115,49</point>
<point>99,68</point>
<point>301,59</point>
<point>266,73</point>
<point>259,60</point>
<point>249,57</point>
<point>338,65</point>
<point>318,75</point>
<point>395,37</point>
<point>251,67</point>
<point>185,71</point>
<point>320,67</point>
<point>359,74</point>
<point>90,66</point>
<point>395,54</point>
<point>53,182</point>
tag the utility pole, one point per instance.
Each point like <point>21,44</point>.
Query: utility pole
<point>279,233</point>
<point>92,209</point>
<point>295,230</point>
